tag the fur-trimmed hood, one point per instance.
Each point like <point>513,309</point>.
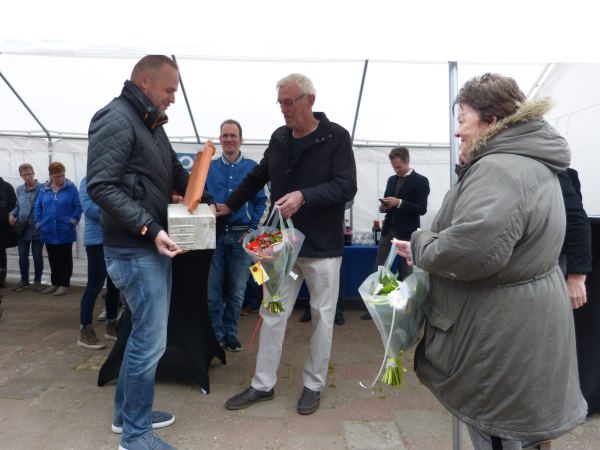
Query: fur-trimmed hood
<point>524,133</point>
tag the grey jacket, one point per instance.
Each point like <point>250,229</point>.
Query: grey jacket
<point>499,343</point>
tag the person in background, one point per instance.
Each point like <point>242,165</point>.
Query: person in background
<point>576,262</point>
<point>499,344</point>
<point>576,255</point>
<point>96,276</point>
<point>56,213</point>
<point>310,163</point>
<point>254,292</point>
<point>404,202</point>
<point>252,297</point>
<point>339,309</point>
<point>339,306</point>
<point>28,236</point>
<point>229,267</point>
<point>8,235</point>
<point>132,171</point>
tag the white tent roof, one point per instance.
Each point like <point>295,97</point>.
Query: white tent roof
<point>66,59</point>
<point>405,102</point>
<point>232,53</point>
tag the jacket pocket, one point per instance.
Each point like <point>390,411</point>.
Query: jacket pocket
<point>134,186</point>
<point>116,272</point>
<point>439,341</point>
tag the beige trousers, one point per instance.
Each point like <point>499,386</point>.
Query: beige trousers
<point>322,279</point>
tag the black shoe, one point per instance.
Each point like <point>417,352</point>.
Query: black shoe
<point>232,344</point>
<point>306,317</point>
<point>366,316</point>
<point>249,397</point>
<point>543,445</point>
<point>339,318</point>
<point>309,401</point>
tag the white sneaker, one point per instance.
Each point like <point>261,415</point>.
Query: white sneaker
<point>62,290</point>
<point>50,289</point>
<point>102,316</point>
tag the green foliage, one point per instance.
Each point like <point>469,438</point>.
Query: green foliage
<point>388,281</point>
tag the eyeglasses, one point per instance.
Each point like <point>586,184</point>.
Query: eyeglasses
<point>288,102</point>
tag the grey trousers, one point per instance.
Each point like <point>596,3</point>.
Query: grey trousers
<point>322,279</point>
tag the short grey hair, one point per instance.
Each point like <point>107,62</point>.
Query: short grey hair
<point>302,81</point>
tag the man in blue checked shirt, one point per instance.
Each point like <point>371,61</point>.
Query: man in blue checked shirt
<point>229,266</point>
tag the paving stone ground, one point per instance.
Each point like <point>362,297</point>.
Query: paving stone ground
<point>49,399</point>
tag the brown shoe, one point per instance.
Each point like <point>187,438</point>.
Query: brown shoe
<point>88,339</point>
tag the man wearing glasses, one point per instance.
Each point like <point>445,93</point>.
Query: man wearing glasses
<point>310,164</point>
<point>28,236</point>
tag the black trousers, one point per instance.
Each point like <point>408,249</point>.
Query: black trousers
<point>60,257</point>
<point>385,244</point>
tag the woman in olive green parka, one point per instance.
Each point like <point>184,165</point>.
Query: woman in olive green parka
<point>499,344</point>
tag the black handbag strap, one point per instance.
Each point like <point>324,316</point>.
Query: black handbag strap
<point>33,204</point>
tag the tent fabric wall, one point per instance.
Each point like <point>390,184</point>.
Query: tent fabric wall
<point>372,163</point>
<point>576,114</point>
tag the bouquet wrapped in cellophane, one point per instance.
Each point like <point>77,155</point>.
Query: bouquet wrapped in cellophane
<point>274,248</point>
<point>397,309</point>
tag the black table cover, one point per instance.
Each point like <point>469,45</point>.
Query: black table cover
<point>191,343</point>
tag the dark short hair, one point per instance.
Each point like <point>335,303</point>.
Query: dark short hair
<point>231,122</point>
<point>25,166</point>
<point>56,167</point>
<point>400,152</point>
<point>492,95</point>
<point>150,63</point>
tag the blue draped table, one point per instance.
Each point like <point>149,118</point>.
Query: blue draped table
<point>358,263</point>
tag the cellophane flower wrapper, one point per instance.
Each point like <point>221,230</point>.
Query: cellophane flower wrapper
<point>294,240</point>
<point>276,260</point>
<point>399,312</point>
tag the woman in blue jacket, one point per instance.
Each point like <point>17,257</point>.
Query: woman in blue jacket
<point>57,213</point>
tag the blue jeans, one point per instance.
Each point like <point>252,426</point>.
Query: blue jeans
<point>227,279</point>
<point>96,275</point>
<point>146,284</point>
<point>38,260</point>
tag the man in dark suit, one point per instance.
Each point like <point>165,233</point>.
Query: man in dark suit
<point>404,202</point>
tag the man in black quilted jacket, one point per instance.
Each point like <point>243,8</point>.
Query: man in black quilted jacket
<point>132,172</point>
